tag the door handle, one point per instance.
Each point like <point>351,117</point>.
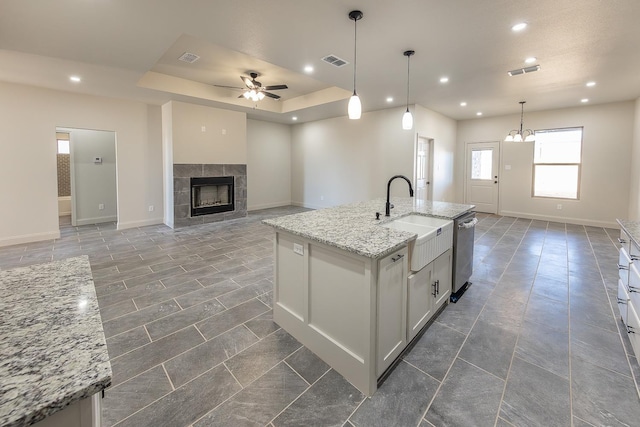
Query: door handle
<point>495,182</point>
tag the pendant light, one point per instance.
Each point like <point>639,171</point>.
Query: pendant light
<point>407,118</point>
<point>355,106</point>
<point>526,135</point>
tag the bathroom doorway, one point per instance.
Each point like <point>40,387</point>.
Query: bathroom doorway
<point>92,182</point>
<point>423,176</point>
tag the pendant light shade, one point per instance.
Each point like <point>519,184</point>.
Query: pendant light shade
<point>355,106</point>
<point>519,135</point>
<point>407,118</point>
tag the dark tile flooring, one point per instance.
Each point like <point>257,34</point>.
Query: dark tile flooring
<point>187,314</point>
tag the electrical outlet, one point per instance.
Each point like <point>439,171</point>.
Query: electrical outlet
<point>101,206</point>
<point>151,208</point>
<point>559,206</point>
<point>224,131</point>
<point>203,128</point>
<point>298,249</point>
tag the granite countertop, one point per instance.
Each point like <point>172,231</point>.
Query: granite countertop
<point>52,346</point>
<point>632,228</point>
<point>354,227</point>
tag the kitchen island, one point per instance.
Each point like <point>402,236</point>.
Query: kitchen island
<point>53,354</point>
<point>341,284</point>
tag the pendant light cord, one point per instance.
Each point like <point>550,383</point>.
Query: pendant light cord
<point>408,67</point>
<point>355,53</point>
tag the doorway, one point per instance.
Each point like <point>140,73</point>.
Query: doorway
<point>481,175</point>
<point>423,175</point>
<point>92,173</point>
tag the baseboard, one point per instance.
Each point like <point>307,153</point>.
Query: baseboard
<point>29,238</point>
<point>64,213</point>
<point>563,219</point>
<point>141,223</point>
<point>306,205</point>
<point>96,220</point>
<point>268,205</point>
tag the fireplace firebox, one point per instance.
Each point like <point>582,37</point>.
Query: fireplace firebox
<point>211,195</point>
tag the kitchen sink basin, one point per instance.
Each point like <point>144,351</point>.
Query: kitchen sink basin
<point>435,236</point>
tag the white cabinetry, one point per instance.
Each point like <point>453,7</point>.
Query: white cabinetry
<point>428,290</point>
<point>629,288</point>
<point>392,308</point>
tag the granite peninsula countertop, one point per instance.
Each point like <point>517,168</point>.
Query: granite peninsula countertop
<point>52,346</point>
<point>354,227</point>
<point>632,228</point>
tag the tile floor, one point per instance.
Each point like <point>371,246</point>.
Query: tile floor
<point>534,342</point>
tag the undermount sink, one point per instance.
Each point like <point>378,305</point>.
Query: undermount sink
<point>435,236</point>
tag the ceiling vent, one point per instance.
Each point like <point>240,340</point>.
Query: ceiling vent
<point>189,57</point>
<point>335,61</point>
<point>523,70</point>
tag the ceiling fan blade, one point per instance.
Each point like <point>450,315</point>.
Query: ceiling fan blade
<point>248,82</point>
<point>271,95</point>
<point>230,87</point>
<point>276,87</point>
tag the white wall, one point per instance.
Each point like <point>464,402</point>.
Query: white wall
<point>268,164</point>
<point>606,151</point>
<point>223,141</point>
<point>634,187</point>
<point>28,120</point>
<point>337,161</point>
<point>93,184</point>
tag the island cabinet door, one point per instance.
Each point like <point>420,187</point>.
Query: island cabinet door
<point>392,309</point>
<point>442,279</point>
<point>420,298</point>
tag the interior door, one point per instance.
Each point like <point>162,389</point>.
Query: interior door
<point>482,180</point>
<point>423,169</point>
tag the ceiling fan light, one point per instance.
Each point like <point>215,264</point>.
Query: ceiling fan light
<point>407,120</point>
<point>355,107</point>
<point>260,96</point>
<point>247,94</point>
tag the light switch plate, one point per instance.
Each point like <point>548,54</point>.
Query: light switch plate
<point>297,248</point>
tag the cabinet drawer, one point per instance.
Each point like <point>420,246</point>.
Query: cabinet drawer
<point>623,266</point>
<point>633,327</point>
<point>624,240</point>
<point>623,301</point>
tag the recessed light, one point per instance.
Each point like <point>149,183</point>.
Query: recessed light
<point>389,99</point>
<point>463,104</point>
<point>591,84</point>
<point>444,79</point>
<point>479,113</point>
<point>294,118</point>
<point>584,100</point>
<point>531,60</point>
<point>308,69</point>
<point>519,26</point>
<point>75,79</point>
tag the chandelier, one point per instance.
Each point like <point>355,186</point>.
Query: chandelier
<point>526,135</point>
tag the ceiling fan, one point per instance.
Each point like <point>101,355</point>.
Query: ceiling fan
<point>254,89</point>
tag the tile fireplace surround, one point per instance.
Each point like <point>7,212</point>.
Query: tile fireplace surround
<point>182,173</point>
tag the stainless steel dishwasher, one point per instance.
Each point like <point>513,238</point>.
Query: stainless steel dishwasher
<point>463,236</point>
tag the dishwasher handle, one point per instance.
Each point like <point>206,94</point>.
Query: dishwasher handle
<point>468,224</point>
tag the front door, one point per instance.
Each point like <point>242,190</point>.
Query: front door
<point>482,165</point>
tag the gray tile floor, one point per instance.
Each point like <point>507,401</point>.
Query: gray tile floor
<point>187,314</point>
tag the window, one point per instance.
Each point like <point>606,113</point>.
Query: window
<point>63,146</point>
<point>557,160</point>
<point>481,163</point>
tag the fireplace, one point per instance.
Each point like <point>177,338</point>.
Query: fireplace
<point>212,195</point>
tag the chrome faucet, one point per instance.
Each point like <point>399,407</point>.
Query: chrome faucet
<point>387,209</point>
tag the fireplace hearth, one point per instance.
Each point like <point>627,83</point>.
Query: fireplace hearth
<point>211,195</point>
